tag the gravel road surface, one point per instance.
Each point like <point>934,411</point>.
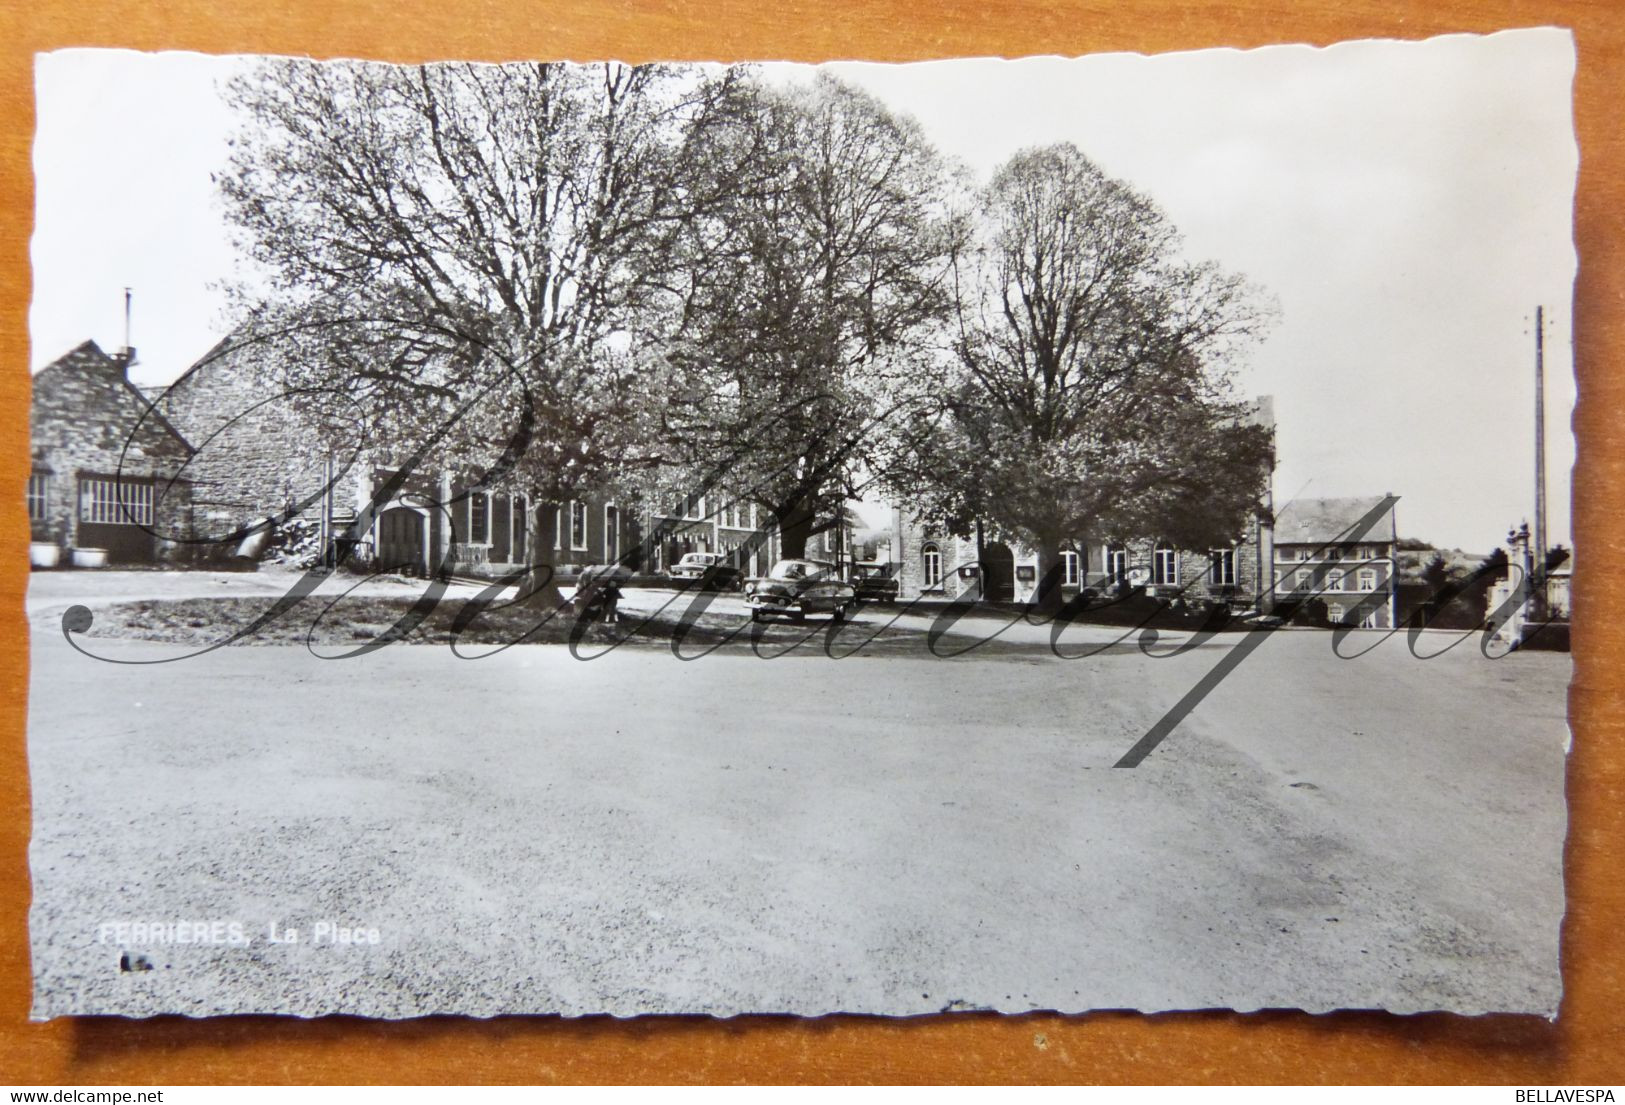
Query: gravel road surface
<point>896,834</point>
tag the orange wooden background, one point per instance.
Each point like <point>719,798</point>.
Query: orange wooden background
<point>1586,1043</point>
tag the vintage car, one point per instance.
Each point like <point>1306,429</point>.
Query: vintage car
<point>796,588</point>
<point>708,570</point>
<point>874,582</point>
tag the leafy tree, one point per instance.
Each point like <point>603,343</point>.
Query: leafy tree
<point>1496,565</point>
<point>1436,573</point>
<point>811,300</point>
<point>490,244</point>
<point>1092,388</point>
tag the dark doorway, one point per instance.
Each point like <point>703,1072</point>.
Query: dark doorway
<point>998,573</point>
<point>400,542</point>
<point>125,543</point>
<point>520,553</point>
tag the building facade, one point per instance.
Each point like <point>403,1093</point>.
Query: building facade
<point>109,479</point>
<point>1001,568</point>
<point>1321,554</point>
<point>440,519</point>
<point>256,453</point>
<point>933,564</point>
<point>705,523</point>
<point>248,453</point>
<point>1303,553</point>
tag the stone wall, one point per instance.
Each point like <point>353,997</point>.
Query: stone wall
<point>258,452</point>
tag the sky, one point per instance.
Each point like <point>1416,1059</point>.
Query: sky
<point>1408,204</point>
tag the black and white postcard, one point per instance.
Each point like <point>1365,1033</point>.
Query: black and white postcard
<point>1040,534</point>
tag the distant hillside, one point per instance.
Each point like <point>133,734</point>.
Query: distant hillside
<point>1414,555</point>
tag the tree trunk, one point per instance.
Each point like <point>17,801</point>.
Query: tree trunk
<point>795,528</point>
<point>1048,600</point>
<point>540,586</point>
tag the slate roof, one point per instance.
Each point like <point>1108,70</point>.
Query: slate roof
<point>1322,521</point>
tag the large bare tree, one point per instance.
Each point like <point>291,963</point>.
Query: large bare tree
<point>1093,396</point>
<point>813,300</point>
<point>478,257</point>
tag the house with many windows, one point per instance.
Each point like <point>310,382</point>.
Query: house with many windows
<point>939,565</point>
<point>709,524</point>
<point>1311,550</point>
<point>108,477</point>
<point>1000,568</point>
<point>1323,553</point>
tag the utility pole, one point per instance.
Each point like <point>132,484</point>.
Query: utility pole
<point>1539,582</point>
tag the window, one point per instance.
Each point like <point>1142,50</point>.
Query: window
<point>479,518</point>
<point>1117,564</point>
<point>1368,579</point>
<point>1334,581</point>
<point>1305,580</point>
<point>932,557</point>
<point>578,525</point>
<point>1221,567</point>
<point>694,508</point>
<point>1370,620</point>
<point>106,499</point>
<point>39,485</point>
<point>612,534</point>
<point>1069,568</point>
<point>1334,613</point>
<point>1165,567</point>
<point>1303,554</point>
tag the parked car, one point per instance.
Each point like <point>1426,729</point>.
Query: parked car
<point>710,570</point>
<point>874,582</point>
<point>796,588</point>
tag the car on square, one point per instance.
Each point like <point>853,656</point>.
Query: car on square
<point>798,587</point>
<point>711,571</point>
<point>874,582</point>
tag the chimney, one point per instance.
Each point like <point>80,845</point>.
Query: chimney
<point>125,357</point>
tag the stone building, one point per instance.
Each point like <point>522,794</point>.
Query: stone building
<point>256,454</point>
<point>109,477</point>
<point>262,454</point>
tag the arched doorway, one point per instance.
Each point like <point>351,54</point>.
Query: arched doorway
<point>403,541</point>
<point>998,572</point>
